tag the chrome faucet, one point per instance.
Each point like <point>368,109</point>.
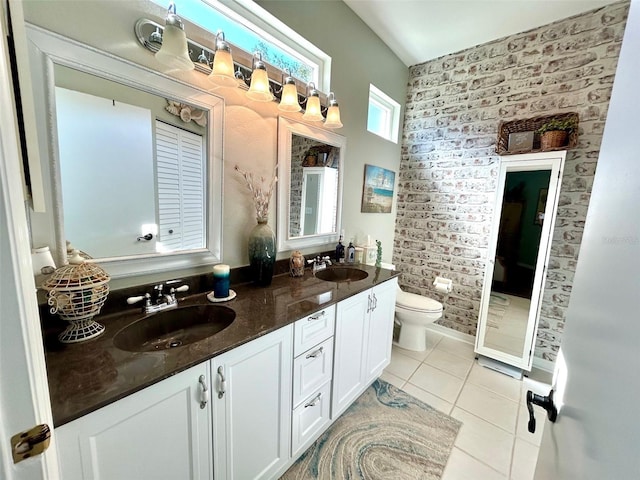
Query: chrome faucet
<point>319,263</point>
<point>159,300</point>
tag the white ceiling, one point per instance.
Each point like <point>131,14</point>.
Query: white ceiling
<point>421,30</point>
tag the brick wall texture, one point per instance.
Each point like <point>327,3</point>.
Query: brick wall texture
<point>449,167</point>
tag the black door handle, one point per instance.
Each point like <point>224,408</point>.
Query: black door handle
<point>544,402</point>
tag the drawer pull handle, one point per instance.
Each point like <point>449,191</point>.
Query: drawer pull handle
<point>369,303</point>
<point>313,402</point>
<point>375,302</point>
<point>315,353</point>
<point>222,388</point>
<point>316,317</point>
<point>204,395</point>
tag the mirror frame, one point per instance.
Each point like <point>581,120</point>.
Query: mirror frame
<point>47,49</point>
<point>553,161</point>
<point>288,127</point>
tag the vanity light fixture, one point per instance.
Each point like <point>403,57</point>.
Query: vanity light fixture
<point>222,69</point>
<point>289,95</point>
<point>333,113</point>
<point>259,89</point>
<point>312,111</point>
<point>174,51</point>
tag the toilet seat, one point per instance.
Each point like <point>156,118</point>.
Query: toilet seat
<point>417,303</point>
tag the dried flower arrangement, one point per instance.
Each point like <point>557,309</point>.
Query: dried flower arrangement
<point>261,197</point>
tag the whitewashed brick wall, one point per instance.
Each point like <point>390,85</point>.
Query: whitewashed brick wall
<point>448,171</point>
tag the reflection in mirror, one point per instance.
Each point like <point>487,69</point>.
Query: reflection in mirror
<point>313,200</point>
<point>134,160</point>
<point>309,184</point>
<point>132,173</point>
<point>528,189</point>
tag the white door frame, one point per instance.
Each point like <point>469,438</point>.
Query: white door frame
<point>24,392</point>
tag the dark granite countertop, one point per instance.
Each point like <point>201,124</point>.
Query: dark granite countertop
<point>86,376</point>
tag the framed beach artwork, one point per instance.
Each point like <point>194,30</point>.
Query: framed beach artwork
<point>377,193</point>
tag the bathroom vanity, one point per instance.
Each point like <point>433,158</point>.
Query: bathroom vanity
<point>243,403</point>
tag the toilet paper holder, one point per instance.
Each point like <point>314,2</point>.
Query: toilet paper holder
<point>443,285</point>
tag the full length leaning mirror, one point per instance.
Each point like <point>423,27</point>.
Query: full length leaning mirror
<point>134,158</point>
<point>526,205</point>
<point>310,173</point>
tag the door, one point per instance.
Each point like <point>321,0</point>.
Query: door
<point>160,432</point>
<point>597,384</point>
<point>349,351</point>
<point>381,317</point>
<point>528,186</point>
<point>251,398</point>
<point>24,394</point>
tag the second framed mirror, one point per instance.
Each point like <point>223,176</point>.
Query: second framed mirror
<point>310,175</point>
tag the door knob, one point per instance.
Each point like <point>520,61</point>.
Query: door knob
<point>544,402</point>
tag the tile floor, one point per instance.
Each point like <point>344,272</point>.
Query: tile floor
<point>493,442</point>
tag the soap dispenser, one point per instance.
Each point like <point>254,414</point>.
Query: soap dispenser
<point>351,253</point>
<point>340,251</point>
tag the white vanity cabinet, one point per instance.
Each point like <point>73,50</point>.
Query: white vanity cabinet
<point>362,343</point>
<point>160,432</point>
<point>251,402</point>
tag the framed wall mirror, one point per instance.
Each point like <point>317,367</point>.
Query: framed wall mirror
<point>133,161</point>
<point>310,174</point>
<point>526,204</point>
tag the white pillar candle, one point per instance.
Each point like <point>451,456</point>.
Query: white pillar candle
<point>221,270</point>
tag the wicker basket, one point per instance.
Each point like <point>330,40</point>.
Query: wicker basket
<point>553,139</point>
<point>531,125</point>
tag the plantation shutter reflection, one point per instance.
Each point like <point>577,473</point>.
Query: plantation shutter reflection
<point>180,180</point>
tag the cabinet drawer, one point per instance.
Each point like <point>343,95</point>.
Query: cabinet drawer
<point>309,419</point>
<point>311,370</point>
<point>313,329</point>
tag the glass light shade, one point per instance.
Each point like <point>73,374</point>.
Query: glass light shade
<point>312,112</point>
<point>333,117</point>
<point>222,71</point>
<point>289,100</point>
<point>174,52</point>
<point>259,88</point>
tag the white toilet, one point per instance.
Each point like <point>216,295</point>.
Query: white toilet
<point>413,314</point>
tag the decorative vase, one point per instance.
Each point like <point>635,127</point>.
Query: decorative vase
<point>262,253</point>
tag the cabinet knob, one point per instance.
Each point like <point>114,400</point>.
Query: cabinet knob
<point>204,394</point>
<point>222,386</point>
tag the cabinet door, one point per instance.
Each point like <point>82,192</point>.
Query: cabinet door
<point>380,328</point>
<point>252,407</point>
<point>349,351</point>
<point>157,433</point>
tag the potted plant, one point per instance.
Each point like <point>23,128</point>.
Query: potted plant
<point>554,133</point>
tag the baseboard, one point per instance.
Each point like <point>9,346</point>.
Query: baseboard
<point>542,364</point>
<point>448,332</point>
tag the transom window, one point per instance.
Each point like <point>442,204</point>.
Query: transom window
<point>249,27</point>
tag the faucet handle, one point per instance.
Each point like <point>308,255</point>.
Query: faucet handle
<point>132,300</point>
<point>182,288</point>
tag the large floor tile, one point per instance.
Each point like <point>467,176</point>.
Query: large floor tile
<point>428,398</point>
<point>462,466</point>
<point>402,366</point>
<point>437,382</point>
<point>489,406</point>
<point>525,457</point>
<point>496,382</point>
<point>392,379</point>
<point>484,441</point>
<point>453,364</point>
<point>456,347</point>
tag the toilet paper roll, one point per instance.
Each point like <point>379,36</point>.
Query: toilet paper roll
<point>442,285</point>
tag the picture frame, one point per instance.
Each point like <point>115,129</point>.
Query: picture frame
<point>377,190</point>
<point>520,141</point>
